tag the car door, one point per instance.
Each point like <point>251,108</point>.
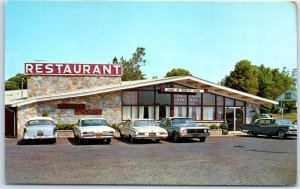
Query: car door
<point>125,129</point>
<point>166,124</point>
<point>76,128</point>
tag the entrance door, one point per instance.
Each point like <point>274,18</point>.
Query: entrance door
<point>234,118</point>
<point>9,123</point>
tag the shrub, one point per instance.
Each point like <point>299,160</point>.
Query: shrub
<point>45,113</point>
<point>214,126</point>
<point>65,126</point>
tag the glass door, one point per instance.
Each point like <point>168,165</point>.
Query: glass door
<point>234,118</point>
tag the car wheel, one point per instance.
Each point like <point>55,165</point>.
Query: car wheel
<point>202,139</point>
<point>108,141</point>
<point>253,134</point>
<point>54,141</point>
<point>175,137</point>
<point>281,135</point>
<point>131,139</point>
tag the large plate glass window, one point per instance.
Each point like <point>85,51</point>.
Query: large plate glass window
<point>208,113</point>
<point>130,97</point>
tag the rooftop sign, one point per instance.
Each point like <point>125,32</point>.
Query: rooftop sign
<point>179,90</point>
<point>73,69</point>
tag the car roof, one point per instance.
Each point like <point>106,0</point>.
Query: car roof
<point>40,118</point>
<point>179,117</point>
<point>140,119</point>
<point>87,118</point>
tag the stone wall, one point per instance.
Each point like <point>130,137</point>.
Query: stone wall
<point>110,103</point>
<point>45,85</point>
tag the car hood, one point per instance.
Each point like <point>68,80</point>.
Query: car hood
<point>96,128</point>
<point>148,129</point>
<point>190,127</point>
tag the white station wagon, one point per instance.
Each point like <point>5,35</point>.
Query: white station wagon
<point>93,128</point>
<point>142,129</point>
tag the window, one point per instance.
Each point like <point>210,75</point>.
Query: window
<point>195,112</point>
<point>208,99</point>
<point>195,99</point>
<point>239,103</point>
<point>208,113</point>
<point>220,100</point>
<point>229,102</point>
<point>163,99</point>
<point>162,112</point>
<point>130,112</point>
<point>180,111</point>
<point>130,97</point>
<point>220,113</point>
<point>180,99</point>
<point>146,112</point>
<point>287,95</point>
<point>146,97</point>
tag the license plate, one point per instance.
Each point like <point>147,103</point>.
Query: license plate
<point>40,134</point>
<point>195,135</point>
<point>152,134</point>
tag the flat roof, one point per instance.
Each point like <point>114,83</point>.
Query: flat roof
<point>189,81</point>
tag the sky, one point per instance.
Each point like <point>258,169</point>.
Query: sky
<point>205,38</point>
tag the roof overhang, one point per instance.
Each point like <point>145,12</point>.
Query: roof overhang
<point>184,80</point>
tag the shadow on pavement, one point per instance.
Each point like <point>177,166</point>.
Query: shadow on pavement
<point>36,142</point>
<point>139,141</point>
<point>73,141</point>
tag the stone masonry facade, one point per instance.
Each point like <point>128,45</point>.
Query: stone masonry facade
<point>110,103</point>
<point>45,85</point>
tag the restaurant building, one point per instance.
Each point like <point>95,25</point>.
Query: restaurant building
<point>71,91</point>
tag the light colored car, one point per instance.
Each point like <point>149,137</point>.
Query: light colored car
<point>184,127</point>
<point>93,128</point>
<point>40,128</point>
<point>142,129</point>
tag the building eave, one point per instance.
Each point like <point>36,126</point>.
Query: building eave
<point>188,80</point>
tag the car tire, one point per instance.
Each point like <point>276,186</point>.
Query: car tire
<point>175,137</point>
<point>108,141</point>
<point>202,139</point>
<point>131,139</point>
<point>54,141</point>
<point>253,134</point>
<point>281,134</point>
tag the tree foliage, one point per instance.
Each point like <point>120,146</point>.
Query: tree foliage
<point>15,83</point>
<point>178,72</point>
<point>244,78</point>
<point>131,67</point>
<point>260,80</point>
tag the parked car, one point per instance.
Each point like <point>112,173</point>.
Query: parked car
<point>93,128</point>
<point>142,129</point>
<point>184,127</point>
<point>280,127</point>
<point>40,128</point>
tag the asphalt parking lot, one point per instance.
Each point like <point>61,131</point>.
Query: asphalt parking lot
<point>231,160</point>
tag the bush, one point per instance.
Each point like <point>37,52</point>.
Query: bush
<point>45,113</point>
<point>65,126</point>
<point>214,126</point>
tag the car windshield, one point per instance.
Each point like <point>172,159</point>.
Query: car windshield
<point>283,121</point>
<point>40,122</point>
<point>93,122</point>
<point>183,121</point>
<point>144,123</point>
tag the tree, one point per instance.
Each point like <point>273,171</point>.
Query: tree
<point>131,67</point>
<point>178,72</point>
<point>244,78</point>
<point>15,82</point>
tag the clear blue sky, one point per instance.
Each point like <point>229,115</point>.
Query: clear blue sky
<point>205,38</point>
